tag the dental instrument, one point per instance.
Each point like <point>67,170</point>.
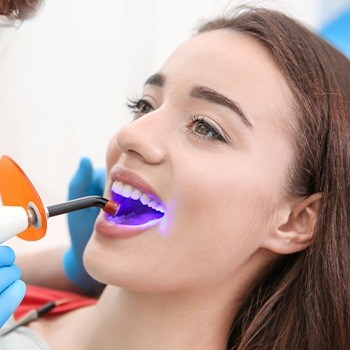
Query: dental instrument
<point>33,315</point>
<point>23,213</point>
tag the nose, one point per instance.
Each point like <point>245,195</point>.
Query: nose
<point>143,138</point>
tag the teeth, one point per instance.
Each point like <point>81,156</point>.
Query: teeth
<point>160,208</point>
<point>128,191</point>
<point>153,204</point>
<point>136,194</point>
<point>117,187</point>
<point>145,199</point>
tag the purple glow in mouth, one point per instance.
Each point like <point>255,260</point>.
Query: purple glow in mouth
<point>132,212</point>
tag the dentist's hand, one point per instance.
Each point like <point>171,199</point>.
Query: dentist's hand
<point>87,181</point>
<point>12,289</point>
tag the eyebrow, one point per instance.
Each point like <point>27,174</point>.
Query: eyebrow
<point>210,95</point>
<point>157,79</point>
<point>207,94</point>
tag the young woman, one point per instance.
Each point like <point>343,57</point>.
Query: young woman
<point>241,145</point>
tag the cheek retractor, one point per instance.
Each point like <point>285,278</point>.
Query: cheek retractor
<point>23,213</point>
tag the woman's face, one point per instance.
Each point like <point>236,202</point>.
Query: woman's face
<point>209,138</point>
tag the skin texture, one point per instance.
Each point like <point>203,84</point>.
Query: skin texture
<point>215,201</point>
<point>179,284</point>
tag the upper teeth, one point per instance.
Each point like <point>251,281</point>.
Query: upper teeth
<point>128,191</point>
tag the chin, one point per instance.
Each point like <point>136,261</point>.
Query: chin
<point>107,266</point>
<point>133,272</point>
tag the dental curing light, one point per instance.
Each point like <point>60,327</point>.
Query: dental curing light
<point>23,213</point>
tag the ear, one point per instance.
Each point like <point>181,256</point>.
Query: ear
<point>294,230</point>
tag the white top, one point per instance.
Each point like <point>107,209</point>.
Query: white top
<point>21,338</point>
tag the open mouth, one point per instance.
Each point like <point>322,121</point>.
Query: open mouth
<point>136,207</point>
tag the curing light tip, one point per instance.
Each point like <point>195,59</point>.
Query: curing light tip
<point>111,208</point>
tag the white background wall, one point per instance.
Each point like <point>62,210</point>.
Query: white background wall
<point>66,74</point>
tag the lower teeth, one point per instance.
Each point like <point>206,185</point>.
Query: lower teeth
<point>123,217</point>
<point>133,219</point>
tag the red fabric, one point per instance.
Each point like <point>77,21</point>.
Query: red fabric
<point>38,296</point>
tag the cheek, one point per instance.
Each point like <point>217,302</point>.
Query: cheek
<point>221,198</point>
<point>232,216</point>
<point>221,217</point>
<point>113,153</point>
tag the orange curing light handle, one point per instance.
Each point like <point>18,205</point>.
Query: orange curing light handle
<point>16,190</point>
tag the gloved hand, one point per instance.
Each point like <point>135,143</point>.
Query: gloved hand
<point>86,182</point>
<point>12,289</point>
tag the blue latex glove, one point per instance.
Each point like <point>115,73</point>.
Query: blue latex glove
<point>12,289</point>
<point>85,182</point>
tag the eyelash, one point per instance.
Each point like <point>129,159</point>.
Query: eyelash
<point>136,105</point>
<point>200,120</point>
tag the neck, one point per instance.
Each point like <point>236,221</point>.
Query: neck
<point>194,319</point>
<point>131,320</point>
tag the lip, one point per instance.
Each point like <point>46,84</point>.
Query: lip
<point>126,176</point>
<point>111,230</point>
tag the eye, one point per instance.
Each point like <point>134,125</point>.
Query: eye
<point>139,107</point>
<point>203,129</point>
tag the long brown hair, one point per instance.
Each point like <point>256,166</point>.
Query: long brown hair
<point>303,302</point>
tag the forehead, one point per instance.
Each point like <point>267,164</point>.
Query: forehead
<point>235,64</point>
